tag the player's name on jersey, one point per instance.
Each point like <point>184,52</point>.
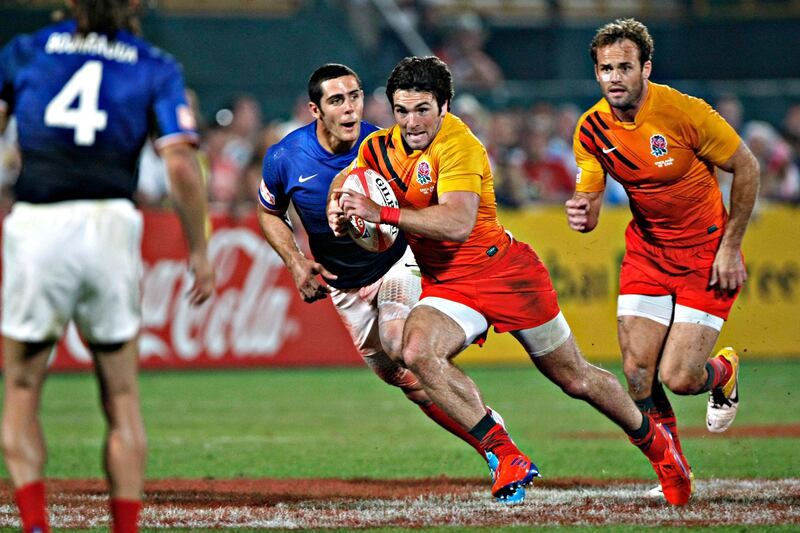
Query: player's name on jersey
<point>91,44</point>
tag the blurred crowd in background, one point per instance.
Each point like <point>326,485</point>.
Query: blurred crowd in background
<point>530,147</point>
<point>530,150</point>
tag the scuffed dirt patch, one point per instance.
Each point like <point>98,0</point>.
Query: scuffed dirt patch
<point>336,503</point>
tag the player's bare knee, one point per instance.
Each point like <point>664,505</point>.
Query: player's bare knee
<point>417,356</point>
<point>576,387</point>
<point>19,449</point>
<point>638,376</point>
<point>12,447</point>
<point>681,383</point>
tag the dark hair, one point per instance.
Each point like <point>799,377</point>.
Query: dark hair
<point>104,16</point>
<point>328,71</point>
<point>620,29</point>
<point>428,74</point>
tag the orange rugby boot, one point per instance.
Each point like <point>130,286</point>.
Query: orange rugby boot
<point>513,471</point>
<point>673,471</point>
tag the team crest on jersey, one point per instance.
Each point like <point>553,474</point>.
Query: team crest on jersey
<point>424,173</point>
<point>268,196</point>
<point>658,145</point>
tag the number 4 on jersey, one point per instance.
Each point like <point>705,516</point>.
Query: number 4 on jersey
<point>86,119</point>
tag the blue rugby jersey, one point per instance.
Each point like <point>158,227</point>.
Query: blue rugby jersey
<point>84,107</point>
<point>300,170</point>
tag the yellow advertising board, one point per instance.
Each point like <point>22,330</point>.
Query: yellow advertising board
<point>765,321</point>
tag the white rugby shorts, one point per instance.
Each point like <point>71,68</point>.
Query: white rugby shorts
<point>78,260</point>
<point>390,298</point>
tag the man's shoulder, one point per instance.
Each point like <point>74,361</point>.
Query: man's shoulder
<point>291,153</point>
<point>456,134</point>
<point>676,104</point>
<point>25,44</point>
<point>294,140</point>
<point>669,95</point>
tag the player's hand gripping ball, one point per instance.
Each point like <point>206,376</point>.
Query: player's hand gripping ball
<point>368,235</point>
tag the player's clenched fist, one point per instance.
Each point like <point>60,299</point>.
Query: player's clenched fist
<point>578,213</point>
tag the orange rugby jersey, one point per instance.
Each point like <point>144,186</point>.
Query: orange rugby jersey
<point>455,161</point>
<point>665,161</point>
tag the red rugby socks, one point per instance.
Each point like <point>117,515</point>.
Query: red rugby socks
<point>647,439</point>
<point>494,437</point>
<point>660,410</point>
<point>719,371</point>
<point>436,414</point>
<point>125,515</point>
<point>31,504</point>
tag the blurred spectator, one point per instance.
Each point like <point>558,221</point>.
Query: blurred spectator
<point>508,158</point>
<point>780,178</point>
<point>383,41</point>
<point>377,109</point>
<point>470,110</point>
<point>300,116</point>
<point>560,144</point>
<point>462,50</point>
<point>791,131</point>
<point>547,178</point>
<point>231,146</point>
<point>730,107</point>
<point>246,195</point>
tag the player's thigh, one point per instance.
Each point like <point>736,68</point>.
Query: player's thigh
<point>42,266</point>
<point>117,368</point>
<point>642,325</point>
<point>439,328</point>
<point>109,307</point>
<point>686,350</point>
<point>358,309</point>
<point>563,364</point>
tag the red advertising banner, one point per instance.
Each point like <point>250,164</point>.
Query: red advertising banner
<point>256,317</point>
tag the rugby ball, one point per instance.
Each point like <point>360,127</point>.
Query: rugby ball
<point>368,235</point>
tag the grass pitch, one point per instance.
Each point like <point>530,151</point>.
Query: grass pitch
<point>345,423</point>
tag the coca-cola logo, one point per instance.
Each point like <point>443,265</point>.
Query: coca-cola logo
<point>248,316</point>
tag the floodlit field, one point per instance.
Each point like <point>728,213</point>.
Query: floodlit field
<point>300,449</point>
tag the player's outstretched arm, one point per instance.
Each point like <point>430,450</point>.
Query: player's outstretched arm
<point>304,271</point>
<point>583,210</point>
<point>189,198</point>
<point>728,271</point>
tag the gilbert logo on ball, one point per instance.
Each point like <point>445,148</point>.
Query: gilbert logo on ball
<point>369,235</point>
